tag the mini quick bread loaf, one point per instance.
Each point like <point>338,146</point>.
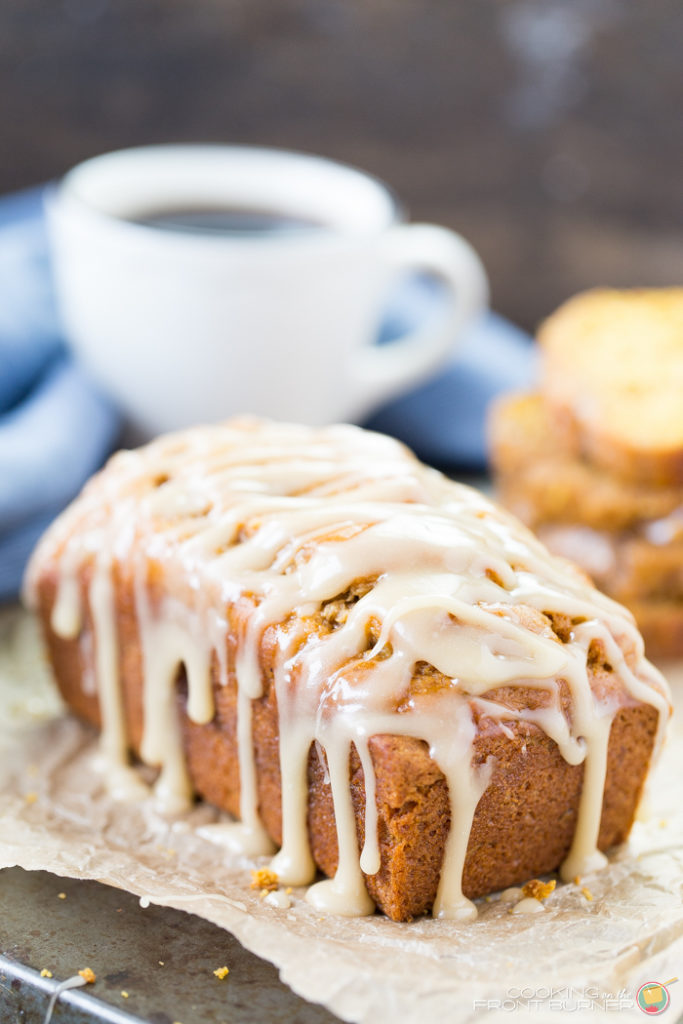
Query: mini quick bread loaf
<point>374,668</point>
<point>613,376</point>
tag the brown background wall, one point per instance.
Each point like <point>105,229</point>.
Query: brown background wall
<point>549,131</point>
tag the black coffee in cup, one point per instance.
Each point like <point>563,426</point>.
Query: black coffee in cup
<point>226,220</point>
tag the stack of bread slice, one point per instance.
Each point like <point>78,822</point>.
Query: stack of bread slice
<point>593,461</point>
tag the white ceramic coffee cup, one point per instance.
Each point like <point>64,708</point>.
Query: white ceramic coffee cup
<point>182,327</point>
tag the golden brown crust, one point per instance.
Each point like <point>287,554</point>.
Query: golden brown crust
<point>612,365</point>
<point>523,825</point>
<point>542,477</point>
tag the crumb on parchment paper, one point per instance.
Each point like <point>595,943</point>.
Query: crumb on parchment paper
<point>222,972</point>
<point>264,878</point>
<point>538,889</point>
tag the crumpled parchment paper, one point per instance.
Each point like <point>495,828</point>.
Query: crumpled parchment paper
<point>585,955</point>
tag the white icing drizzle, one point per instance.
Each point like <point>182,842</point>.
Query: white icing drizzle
<point>454,758</point>
<point>252,527</point>
<point>528,905</point>
<point>167,647</point>
<point>584,855</point>
<point>294,863</point>
<point>76,981</point>
<point>345,894</point>
<point>370,854</point>
<point>253,836</point>
<point>66,618</point>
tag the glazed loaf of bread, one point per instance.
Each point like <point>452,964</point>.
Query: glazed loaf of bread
<point>374,668</point>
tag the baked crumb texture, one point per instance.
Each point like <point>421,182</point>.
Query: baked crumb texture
<point>376,669</point>
<point>593,462</point>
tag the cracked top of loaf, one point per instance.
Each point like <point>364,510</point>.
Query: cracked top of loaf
<point>340,527</point>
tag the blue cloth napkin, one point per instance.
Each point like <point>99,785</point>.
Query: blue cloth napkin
<point>56,428</point>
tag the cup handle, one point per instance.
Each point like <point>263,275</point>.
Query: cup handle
<point>383,370</point>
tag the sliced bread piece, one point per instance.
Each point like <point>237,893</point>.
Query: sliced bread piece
<point>612,371</point>
<point>542,480</point>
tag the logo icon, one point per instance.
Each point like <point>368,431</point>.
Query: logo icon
<point>653,997</point>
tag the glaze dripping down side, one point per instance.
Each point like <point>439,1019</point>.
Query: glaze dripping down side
<point>395,602</point>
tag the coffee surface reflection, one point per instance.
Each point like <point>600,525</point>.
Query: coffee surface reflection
<point>226,221</point>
